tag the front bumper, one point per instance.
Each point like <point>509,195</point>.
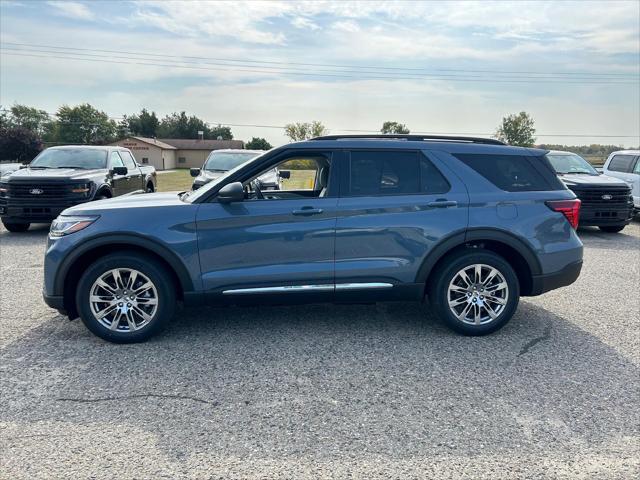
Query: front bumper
<point>602,216</point>
<point>561,278</point>
<point>23,212</point>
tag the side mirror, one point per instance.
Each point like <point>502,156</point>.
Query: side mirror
<point>119,170</point>
<point>194,172</point>
<point>284,174</point>
<point>232,192</point>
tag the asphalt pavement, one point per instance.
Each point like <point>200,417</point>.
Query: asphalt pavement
<point>363,391</point>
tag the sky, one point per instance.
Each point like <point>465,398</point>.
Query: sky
<point>439,67</point>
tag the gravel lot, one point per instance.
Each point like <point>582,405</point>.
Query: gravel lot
<point>327,391</point>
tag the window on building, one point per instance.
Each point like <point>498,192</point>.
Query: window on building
<point>145,160</point>
<point>182,160</point>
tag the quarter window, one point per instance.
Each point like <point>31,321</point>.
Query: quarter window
<point>514,173</point>
<point>621,163</point>
<point>393,173</point>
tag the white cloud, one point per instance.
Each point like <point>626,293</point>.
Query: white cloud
<point>304,23</point>
<point>346,26</point>
<point>72,10</point>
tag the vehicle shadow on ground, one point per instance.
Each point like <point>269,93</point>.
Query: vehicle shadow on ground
<point>325,380</point>
<point>624,240</point>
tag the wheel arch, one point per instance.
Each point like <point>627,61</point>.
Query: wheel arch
<point>514,250</point>
<point>104,189</point>
<point>71,269</point>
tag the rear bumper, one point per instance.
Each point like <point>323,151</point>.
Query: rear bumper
<point>561,278</point>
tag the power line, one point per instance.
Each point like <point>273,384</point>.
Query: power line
<point>265,62</point>
<point>377,76</point>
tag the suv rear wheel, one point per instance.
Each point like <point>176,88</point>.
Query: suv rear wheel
<point>126,297</point>
<point>475,293</point>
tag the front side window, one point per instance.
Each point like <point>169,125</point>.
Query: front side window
<point>116,161</point>
<point>393,173</point>
<point>621,163</point>
<point>564,163</point>
<point>129,162</point>
<point>84,158</point>
<point>637,167</point>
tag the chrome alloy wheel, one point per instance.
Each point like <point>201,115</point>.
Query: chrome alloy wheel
<point>123,300</point>
<point>478,294</point>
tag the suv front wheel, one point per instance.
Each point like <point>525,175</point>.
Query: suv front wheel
<point>126,297</point>
<point>475,292</point>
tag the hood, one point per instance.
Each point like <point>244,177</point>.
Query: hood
<point>51,174</point>
<point>140,200</point>
<point>579,179</point>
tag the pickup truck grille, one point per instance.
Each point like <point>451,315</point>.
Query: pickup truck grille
<point>40,191</point>
<point>603,197</point>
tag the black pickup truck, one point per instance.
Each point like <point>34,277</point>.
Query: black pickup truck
<point>60,177</point>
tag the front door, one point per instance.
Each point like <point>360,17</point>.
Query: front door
<point>133,172</point>
<point>120,184</point>
<point>274,242</point>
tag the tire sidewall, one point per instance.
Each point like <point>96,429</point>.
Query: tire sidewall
<point>149,267</point>
<point>16,227</point>
<point>439,299</point>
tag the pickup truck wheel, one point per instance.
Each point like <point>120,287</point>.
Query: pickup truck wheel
<point>475,293</point>
<point>612,228</point>
<point>149,188</point>
<point>16,227</point>
<point>126,297</point>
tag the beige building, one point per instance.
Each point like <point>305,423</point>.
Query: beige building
<point>168,153</point>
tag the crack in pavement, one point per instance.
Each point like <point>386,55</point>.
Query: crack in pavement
<point>531,343</point>
<point>130,397</point>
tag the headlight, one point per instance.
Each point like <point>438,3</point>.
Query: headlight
<point>4,188</point>
<point>62,225</point>
<point>82,189</point>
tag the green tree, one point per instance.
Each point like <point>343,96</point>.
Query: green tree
<point>394,128</point>
<point>83,124</point>
<point>220,132</point>
<point>518,130</point>
<point>144,124</point>
<point>18,143</point>
<point>30,118</point>
<point>303,131</point>
<point>258,143</point>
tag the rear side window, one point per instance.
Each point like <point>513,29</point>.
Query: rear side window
<point>514,173</point>
<point>393,173</point>
<point>621,163</point>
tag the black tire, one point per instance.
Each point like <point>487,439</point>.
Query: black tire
<point>16,227</point>
<point>101,196</point>
<point>149,188</point>
<point>439,288</point>
<point>148,266</point>
<point>612,228</point>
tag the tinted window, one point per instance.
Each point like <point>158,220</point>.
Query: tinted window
<point>637,167</point>
<point>223,161</point>
<point>514,173</point>
<point>621,163</point>
<point>129,162</point>
<point>72,157</point>
<point>393,173</point>
<point>116,161</point>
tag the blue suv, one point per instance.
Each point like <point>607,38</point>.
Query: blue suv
<point>469,223</point>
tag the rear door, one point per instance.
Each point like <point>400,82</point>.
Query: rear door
<point>394,206</point>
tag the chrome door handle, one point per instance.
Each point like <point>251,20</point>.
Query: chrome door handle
<point>443,204</point>
<point>307,211</point>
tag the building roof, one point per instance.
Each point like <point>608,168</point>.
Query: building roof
<point>156,142</point>
<point>190,144</point>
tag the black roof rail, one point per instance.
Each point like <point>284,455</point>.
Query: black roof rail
<point>413,138</point>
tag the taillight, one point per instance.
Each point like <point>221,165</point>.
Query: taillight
<point>569,208</point>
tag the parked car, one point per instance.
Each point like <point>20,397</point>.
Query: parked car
<point>60,177</point>
<point>7,167</point>
<point>606,201</point>
<point>470,223</point>
<point>220,162</point>
<point>625,165</point>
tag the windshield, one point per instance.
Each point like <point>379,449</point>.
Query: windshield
<point>85,158</point>
<point>223,161</point>
<point>566,162</point>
